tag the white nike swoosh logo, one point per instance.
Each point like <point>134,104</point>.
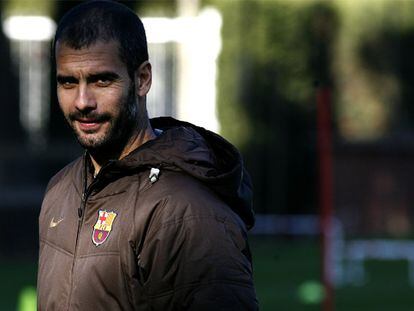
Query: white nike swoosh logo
<point>54,223</point>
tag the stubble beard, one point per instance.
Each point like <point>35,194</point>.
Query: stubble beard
<point>119,132</point>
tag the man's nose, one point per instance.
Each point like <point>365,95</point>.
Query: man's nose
<point>85,99</point>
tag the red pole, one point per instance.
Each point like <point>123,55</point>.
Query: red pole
<point>324,135</point>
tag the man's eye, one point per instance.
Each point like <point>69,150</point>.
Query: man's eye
<point>103,82</point>
<point>67,85</point>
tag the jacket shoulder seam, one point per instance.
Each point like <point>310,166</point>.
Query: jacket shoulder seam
<point>60,175</point>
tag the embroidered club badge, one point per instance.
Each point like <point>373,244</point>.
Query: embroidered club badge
<point>103,227</point>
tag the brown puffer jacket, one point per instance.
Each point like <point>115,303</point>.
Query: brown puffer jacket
<point>175,240</point>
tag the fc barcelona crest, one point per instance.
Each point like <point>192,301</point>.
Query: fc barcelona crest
<point>103,227</point>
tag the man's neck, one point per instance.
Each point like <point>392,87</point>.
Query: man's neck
<point>139,138</point>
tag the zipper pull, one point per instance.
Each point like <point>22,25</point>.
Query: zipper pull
<point>80,212</point>
<point>154,174</point>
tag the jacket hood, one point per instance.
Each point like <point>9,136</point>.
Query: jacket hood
<point>201,154</point>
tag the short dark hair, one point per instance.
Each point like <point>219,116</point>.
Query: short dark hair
<point>103,20</point>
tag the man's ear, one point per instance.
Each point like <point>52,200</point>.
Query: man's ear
<point>143,78</point>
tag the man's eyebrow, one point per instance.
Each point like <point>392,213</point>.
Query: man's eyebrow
<point>105,75</point>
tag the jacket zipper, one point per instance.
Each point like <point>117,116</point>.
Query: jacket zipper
<point>81,216</point>
<point>81,213</point>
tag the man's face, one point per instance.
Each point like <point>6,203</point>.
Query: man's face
<point>96,94</point>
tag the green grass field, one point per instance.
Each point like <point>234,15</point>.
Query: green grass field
<point>282,268</point>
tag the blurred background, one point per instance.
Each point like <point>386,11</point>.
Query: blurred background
<point>316,94</point>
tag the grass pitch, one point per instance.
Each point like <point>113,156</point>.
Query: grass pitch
<point>283,266</point>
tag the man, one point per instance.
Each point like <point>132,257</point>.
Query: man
<point>154,215</point>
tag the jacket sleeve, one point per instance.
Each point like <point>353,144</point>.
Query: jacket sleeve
<point>197,262</point>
